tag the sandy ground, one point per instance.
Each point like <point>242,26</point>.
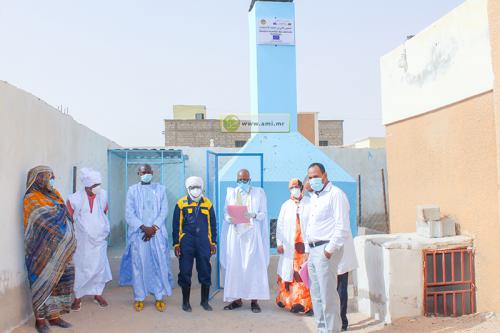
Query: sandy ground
<point>120,317</point>
<point>481,322</point>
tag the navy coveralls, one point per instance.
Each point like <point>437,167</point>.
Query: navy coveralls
<point>194,230</point>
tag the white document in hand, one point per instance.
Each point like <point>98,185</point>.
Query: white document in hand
<point>238,213</point>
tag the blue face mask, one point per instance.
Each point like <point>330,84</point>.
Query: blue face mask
<point>51,182</point>
<point>244,186</point>
<point>146,178</point>
<point>316,184</point>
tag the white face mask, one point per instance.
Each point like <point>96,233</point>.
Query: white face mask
<point>96,190</point>
<point>295,192</point>
<point>195,194</point>
<point>146,178</point>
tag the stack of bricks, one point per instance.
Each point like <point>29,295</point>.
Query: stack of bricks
<point>430,223</point>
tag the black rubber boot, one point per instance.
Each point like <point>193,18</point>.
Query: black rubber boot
<point>205,292</point>
<point>186,291</point>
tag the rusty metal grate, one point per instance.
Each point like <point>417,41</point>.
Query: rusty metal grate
<point>449,282</point>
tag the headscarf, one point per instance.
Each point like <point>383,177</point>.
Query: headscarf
<point>194,181</point>
<point>90,177</point>
<point>295,182</point>
<point>38,191</point>
<point>38,181</point>
<point>34,177</point>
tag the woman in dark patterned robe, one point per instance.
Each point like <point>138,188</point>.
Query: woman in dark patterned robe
<point>49,244</point>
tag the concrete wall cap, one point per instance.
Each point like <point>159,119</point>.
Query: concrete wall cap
<point>408,241</point>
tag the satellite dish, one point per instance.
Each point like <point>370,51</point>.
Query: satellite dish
<point>253,2</point>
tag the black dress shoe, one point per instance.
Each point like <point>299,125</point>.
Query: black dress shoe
<point>233,305</point>
<point>60,323</point>
<point>187,307</point>
<point>255,308</point>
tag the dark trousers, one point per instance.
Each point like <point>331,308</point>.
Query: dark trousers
<point>193,248</point>
<point>342,282</point>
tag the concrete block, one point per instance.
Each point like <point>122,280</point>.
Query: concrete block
<point>428,213</point>
<point>448,226</point>
<point>436,229</point>
<point>429,229</point>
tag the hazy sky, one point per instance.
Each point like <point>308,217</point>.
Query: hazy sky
<point>120,65</point>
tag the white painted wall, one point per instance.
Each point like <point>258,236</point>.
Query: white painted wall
<point>446,63</point>
<point>32,133</point>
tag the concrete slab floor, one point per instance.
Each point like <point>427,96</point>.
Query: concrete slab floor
<point>119,317</point>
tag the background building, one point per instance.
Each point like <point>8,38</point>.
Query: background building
<point>189,112</point>
<point>190,128</point>
<point>331,133</point>
<point>201,133</point>
<point>307,124</point>
<point>441,109</point>
<point>370,142</point>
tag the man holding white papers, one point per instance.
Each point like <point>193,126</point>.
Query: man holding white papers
<point>245,246</point>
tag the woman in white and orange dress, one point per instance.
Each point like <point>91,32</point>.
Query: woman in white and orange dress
<point>293,294</point>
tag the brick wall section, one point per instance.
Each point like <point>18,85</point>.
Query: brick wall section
<point>197,133</point>
<point>332,131</point>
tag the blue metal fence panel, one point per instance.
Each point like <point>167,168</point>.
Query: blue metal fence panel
<point>169,170</point>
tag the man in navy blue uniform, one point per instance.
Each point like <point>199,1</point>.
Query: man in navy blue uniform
<point>194,237</point>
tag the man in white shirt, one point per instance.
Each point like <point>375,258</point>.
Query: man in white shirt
<point>328,231</point>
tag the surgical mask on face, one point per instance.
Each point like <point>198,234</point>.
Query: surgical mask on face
<point>195,194</point>
<point>146,178</point>
<point>316,184</point>
<point>51,182</point>
<point>96,190</point>
<point>244,186</point>
<point>295,192</point>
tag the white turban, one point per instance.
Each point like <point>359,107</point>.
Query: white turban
<point>194,181</point>
<point>90,177</point>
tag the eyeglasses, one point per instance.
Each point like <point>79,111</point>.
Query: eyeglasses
<point>190,188</point>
